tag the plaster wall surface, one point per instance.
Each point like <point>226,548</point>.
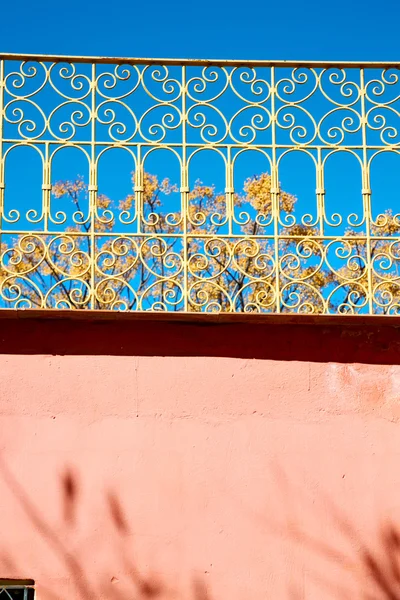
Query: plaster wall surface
<point>161,460</point>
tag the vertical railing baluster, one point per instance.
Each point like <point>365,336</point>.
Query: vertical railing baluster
<point>184,193</point>
<point>275,192</point>
<point>2,173</point>
<point>139,189</point>
<point>320,193</point>
<point>93,189</point>
<point>366,191</point>
<point>229,190</point>
<point>46,199</point>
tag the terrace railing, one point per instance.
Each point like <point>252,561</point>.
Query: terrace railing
<point>199,186</point>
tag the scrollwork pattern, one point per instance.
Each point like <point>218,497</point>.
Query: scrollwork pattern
<point>225,236</point>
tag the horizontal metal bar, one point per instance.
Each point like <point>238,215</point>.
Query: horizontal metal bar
<point>15,587</point>
<point>148,236</point>
<point>59,142</point>
<point>198,62</point>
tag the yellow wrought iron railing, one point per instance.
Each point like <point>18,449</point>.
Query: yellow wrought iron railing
<point>199,186</point>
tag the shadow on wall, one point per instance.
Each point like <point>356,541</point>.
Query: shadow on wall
<point>373,565</point>
<point>136,585</point>
<point>347,562</point>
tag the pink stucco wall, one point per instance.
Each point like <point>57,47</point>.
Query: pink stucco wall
<point>162,460</point>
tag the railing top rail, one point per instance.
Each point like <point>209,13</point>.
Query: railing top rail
<point>200,61</point>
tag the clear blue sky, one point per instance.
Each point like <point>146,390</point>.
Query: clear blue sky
<point>359,30</point>
<point>291,29</point>
<point>261,29</point>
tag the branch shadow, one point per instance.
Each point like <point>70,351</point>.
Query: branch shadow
<point>137,586</point>
<point>371,560</point>
<point>373,563</point>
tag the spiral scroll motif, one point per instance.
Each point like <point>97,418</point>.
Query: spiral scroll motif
<point>205,203</point>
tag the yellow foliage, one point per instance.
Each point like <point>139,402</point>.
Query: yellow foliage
<point>145,267</point>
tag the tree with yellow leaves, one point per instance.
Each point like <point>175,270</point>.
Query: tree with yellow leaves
<point>244,252</point>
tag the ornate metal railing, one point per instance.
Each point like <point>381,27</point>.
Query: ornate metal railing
<point>199,186</point>
<point>15,590</point>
